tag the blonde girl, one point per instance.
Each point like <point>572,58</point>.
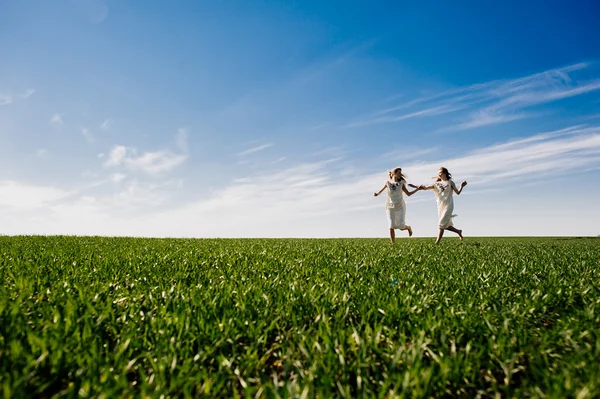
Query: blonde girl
<point>394,204</point>
<point>443,189</point>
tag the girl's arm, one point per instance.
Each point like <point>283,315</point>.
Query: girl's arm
<point>464,183</point>
<point>421,187</point>
<point>409,193</point>
<point>380,191</point>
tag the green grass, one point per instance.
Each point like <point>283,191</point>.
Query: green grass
<point>122,317</point>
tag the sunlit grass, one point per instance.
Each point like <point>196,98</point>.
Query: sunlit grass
<point>118,317</point>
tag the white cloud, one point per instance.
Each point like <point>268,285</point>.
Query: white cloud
<point>27,93</point>
<point>317,200</point>
<point>5,99</point>
<point>116,156</point>
<point>491,103</point>
<point>57,119</point>
<point>484,118</point>
<point>26,196</point>
<point>407,153</point>
<point>8,98</point>
<point>117,177</point>
<point>153,163</point>
<point>181,140</point>
<point>88,135</point>
<point>432,111</point>
<point>106,124</point>
<point>256,149</point>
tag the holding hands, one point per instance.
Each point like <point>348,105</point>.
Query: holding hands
<point>419,188</point>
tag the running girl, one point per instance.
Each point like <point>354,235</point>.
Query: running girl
<point>394,204</point>
<point>443,188</point>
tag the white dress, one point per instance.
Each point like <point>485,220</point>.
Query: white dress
<point>445,203</point>
<point>394,204</point>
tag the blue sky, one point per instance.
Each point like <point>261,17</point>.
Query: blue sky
<point>280,119</point>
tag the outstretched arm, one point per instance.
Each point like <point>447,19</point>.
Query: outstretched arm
<point>458,191</point>
<point>409,193</point>
<point>421,187</point>
<point>379,192</point>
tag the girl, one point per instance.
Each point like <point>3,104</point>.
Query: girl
<point>394,204</point>
<point>443,188</point>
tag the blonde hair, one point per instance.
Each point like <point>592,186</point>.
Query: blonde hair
<point>445,171</point>
<point>392,172</point>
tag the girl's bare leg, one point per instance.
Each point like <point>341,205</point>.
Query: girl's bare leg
<point>407,227</point>
<point>393,236</point>
<point>457,231</point>
<point>440,235</point>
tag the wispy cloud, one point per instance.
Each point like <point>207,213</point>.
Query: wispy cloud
<point>57,119</point>
<point>8,98</point>
<point>256,149</point>
<point>152,162</point>
<point>88,135</point>
<point>541,156</point>
<point>316,200</point>
<point>27,93</point>
<point>27,196</point>
<point>485,118</point>
<point>117,177</point>
<point>433,111</point>
<point>490,103</point>
<point>404,154</point>
<point>181,140</point>
<point>5,99</point>
<point>106,124</point>
<point>318,189</point>
<point>42,153</point>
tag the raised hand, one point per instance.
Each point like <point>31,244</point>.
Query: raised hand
<point>464,183</point>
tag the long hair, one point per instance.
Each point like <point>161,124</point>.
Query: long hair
<point>392,172</point>
<point>444,170</point>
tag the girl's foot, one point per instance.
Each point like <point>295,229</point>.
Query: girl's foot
<point>409,231</point>
<point>460,234</point>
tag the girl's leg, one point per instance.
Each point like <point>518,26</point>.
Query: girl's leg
<point>407,227</point>
<point>440,235</point>
<point>393,236</point>
<point>457,231</point>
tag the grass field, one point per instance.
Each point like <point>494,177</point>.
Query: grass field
<point>120,317</point>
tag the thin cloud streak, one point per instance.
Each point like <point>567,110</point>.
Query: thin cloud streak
<point>106,124</point>
<point>490,103</point>
<point>27,93</point>
<point>256,149</point>
<point>57,119</point>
